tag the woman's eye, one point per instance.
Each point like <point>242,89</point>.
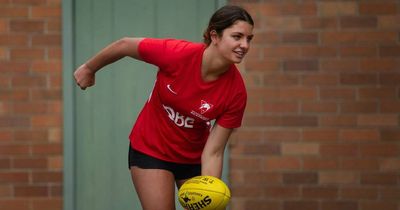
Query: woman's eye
<point>236,37</point>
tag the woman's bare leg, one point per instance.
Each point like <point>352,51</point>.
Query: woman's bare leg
<point>155,188</point>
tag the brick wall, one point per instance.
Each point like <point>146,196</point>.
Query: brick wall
<point>321,129</point>
<point>30,105</point>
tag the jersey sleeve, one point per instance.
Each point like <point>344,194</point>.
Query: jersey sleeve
<point>161,52</point>
<point>232,117</point>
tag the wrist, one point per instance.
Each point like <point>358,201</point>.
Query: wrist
<point>89,68</point>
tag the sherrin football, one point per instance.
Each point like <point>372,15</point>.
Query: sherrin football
<point>204,193</point>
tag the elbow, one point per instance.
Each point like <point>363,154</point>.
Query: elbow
<point>128,46</point>
<point>122,43</point>
<point>213,155</point>
<point>205,157</point>
<point>119,48</point>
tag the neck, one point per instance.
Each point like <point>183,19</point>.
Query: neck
<point>213,65</point>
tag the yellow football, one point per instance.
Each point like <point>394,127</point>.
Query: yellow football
<point>204,193</point>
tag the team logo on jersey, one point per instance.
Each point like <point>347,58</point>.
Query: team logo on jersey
<point>205,106</point>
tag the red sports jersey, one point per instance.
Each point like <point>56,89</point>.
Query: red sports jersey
<point>174,124</point>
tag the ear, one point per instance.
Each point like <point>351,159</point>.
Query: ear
<point>214,37</point>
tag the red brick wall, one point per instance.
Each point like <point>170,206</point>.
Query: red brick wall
<point>321,129</point>
<point>30,105</point>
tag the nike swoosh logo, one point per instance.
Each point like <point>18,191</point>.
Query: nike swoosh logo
<point>172,91</point>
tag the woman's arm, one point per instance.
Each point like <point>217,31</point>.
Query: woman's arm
<point>213,153</point>
<point>85,74</point>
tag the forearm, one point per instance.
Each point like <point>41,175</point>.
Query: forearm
<point>213,154</point>
<point>212,164</point>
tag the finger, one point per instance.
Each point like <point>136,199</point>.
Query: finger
<point>79,85</point>
<point>74,76</point>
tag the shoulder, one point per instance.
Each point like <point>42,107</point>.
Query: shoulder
<point>165,52</point>
<point>170,45</point>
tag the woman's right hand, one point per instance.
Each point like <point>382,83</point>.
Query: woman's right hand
<point>84,77</point>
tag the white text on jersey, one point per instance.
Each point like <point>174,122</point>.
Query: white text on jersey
<point>178,119</point>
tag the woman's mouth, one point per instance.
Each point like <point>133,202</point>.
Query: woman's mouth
<point>239,53</point>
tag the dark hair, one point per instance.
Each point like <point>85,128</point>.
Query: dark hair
<point>225,17</point>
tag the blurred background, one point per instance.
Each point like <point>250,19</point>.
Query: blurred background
<point>321,129</point>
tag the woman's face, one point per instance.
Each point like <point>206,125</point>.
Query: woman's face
<point>235,41</point>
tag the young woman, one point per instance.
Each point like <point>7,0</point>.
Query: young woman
<point>172,139</point>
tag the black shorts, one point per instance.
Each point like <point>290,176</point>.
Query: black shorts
<point>180,171</point>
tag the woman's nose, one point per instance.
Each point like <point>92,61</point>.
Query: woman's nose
<point>244,44</point>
